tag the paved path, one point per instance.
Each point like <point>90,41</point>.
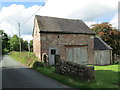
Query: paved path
<point>16,75</point>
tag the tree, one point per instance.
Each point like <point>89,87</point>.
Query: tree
<point>14,43</point>
<point>109,34</point>
<point>24,45</point>
<point>31,45</point>
<point>5,42</point>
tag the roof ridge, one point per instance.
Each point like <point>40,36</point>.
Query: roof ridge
<point>59,18</point>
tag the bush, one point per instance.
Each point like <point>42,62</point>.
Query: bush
<point>5,50</point>
<point>38,64</point>
<point>117,62</point>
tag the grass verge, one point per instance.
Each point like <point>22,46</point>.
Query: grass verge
<point>27,58</point>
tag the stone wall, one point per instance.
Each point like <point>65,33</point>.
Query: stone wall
<point>36,41</point>
<point>54,40</point>
<point>81,72</point>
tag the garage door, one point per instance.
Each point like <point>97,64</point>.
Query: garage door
<point>77,54</point>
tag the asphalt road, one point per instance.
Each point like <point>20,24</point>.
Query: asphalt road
<point>16,75</point>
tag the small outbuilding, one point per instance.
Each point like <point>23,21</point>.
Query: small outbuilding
<point>103,52</point>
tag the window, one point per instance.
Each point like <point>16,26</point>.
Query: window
<point>53,52</point>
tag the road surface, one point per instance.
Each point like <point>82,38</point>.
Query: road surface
<point>16,75</point>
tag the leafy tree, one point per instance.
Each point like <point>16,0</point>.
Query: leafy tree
<point>14,43</point>
<point>109,34</point>
<point>31,45</point>
<point>5,42</point>
<point>24,45</point>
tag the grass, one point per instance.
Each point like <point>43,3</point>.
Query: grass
<point>27,58</point>
<point>67,80</point>
<point>105,76</point>
<point>114,68</point>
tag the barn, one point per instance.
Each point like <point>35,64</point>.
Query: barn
<point>103,52</point>
<point>72,39</point>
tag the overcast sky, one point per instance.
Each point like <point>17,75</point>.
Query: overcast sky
<point>90,11</point>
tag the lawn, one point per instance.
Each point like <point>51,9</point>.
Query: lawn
<point>105,76</point>
<point>115,68</point>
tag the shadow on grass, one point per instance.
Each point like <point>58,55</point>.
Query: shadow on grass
<point>106,79</point>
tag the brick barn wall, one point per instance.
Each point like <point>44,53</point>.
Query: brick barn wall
<point>59,40</point>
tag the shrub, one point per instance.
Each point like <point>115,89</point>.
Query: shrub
<point>117,62</point>
<point>38,64</point>
<point>5,50</point>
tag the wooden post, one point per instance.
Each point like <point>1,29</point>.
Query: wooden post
<point>19,37</point>
<point>57,57</point>
<point>111,57</point>
<point>115,58</point>
<point>28,47</point>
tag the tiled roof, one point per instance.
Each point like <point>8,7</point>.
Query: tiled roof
<point>52,24</point>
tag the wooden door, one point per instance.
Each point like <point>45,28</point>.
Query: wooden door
<point>102,57</point>
<point>77,54</point>
<point>52,52</point>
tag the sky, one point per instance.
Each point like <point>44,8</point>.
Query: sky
<point>91,12</point>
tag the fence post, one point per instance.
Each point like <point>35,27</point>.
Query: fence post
<point>57,57</point>
<point>115,58</point>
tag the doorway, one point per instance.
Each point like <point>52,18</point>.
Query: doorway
<point>77,54</point>
<point>52,52</point>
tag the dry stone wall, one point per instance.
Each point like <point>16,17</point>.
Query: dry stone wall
<point>81,72</point>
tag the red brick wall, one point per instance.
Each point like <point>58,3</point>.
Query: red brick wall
<point>52,40</point>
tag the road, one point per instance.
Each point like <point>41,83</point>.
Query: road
<point>16,75</point>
